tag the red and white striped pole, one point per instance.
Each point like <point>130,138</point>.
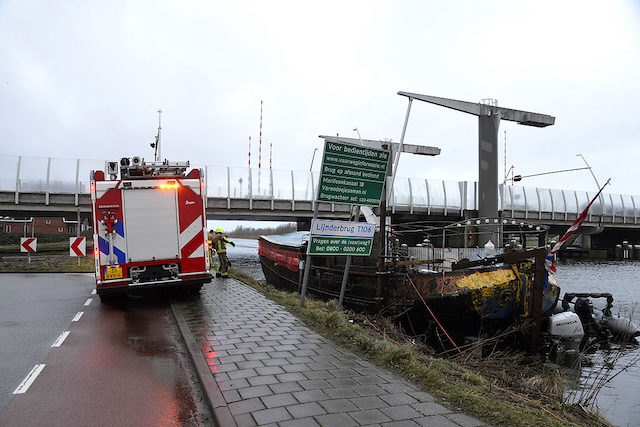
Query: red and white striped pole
<point>260,142</point>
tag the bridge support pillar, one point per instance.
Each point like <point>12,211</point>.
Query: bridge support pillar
<point>488,125</point>
<point>303,224</point>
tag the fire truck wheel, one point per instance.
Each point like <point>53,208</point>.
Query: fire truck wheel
<point>110,297</point>
<point>192,291</point>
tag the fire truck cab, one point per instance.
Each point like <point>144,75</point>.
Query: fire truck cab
<point>149,227</point>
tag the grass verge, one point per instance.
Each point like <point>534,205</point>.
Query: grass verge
<point>40,263</point>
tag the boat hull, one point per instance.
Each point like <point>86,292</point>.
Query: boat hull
<point>474,302</point>
<point>282,263</point>
<point>464,301</point>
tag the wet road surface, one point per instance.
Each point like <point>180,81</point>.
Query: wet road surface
<point>33,313</point>
<point>121,363</point>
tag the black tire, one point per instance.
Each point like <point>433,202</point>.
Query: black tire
<point>190,291</point>
<point>107,298</point>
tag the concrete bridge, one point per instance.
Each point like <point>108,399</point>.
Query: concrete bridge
<point>38,186</point>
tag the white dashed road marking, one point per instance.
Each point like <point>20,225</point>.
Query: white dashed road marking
<point>60,339</point>
<point>26,383</point>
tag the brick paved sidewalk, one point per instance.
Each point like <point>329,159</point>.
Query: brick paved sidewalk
<point>260,366</point>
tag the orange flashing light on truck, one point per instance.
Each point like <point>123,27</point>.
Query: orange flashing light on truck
<point>149,227</point>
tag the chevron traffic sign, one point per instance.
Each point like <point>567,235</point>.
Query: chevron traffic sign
<point>77,246</point>
<point>28,244</point>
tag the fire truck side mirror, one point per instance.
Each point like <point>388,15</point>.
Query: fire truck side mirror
<point>124,162</point>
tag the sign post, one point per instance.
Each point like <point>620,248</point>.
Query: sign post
<point>77,246</point>
<point>353,175</point>
<point>84,244</point>
<point>341,238</point>
<point>28,244</point>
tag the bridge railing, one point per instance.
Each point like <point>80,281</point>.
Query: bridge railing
<point>262,184</point>
<point>567,204</point>
<point>24,174</point>
<point>420,194</point>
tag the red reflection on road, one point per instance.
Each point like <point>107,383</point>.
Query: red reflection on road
<point>212,359</point>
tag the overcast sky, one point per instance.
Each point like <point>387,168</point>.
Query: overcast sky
<point>85,79</point>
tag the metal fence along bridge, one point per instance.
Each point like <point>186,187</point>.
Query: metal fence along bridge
<point>38,186</point>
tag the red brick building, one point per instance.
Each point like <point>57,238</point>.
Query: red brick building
<point>47,225</point>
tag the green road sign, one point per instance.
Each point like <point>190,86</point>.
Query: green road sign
<point>333,228</point>
<point>352,174</point>
<point>340,246</point>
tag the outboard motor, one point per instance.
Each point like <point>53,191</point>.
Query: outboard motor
<point>566,333</point>
<point>566,327</point>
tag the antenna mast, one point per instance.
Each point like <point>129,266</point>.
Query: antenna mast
<point>157,154</point>
<point>249,151</point>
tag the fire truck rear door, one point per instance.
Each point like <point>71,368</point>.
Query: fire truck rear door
<point>151,224</point>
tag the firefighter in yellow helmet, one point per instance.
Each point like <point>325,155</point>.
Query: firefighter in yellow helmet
<point>220,245</point>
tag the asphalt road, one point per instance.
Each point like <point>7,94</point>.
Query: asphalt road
<point>68,360</point>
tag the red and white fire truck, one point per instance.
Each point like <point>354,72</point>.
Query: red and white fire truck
<point>149,227</point>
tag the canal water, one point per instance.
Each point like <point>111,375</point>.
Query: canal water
<point>617,399</point>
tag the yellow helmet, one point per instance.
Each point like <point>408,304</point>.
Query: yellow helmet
<point>219,230</point>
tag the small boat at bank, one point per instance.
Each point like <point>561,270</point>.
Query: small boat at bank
<point>599,321</point>
<point>464,297</point>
